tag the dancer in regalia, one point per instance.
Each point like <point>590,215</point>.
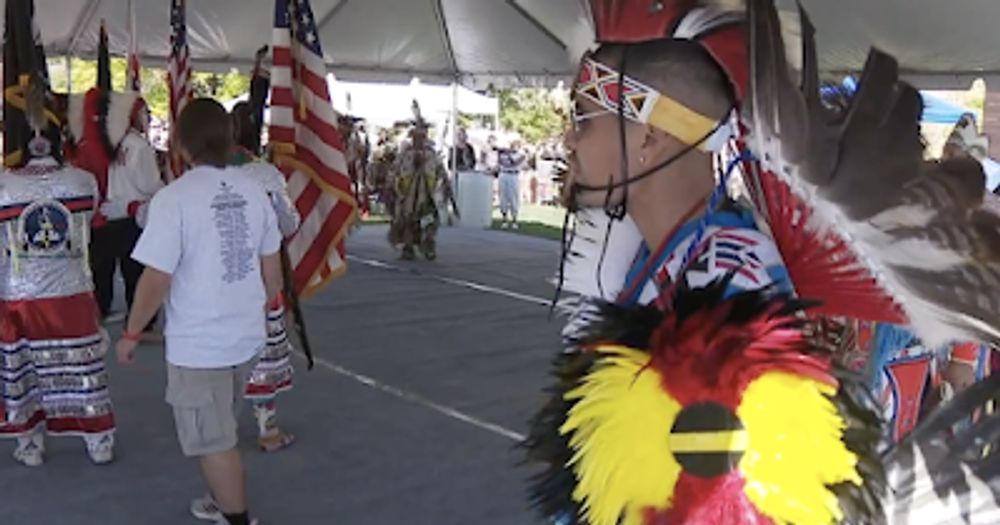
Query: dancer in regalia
<point>273,371</point>
<point>52,375</point>
<point>699,383</point>
<point>418,176</point>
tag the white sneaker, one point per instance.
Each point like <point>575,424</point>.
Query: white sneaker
<point>101,451</point>
<point>514,226</point>
<point>30,452</point>
<point>504,226</point>
<point>205,508</point>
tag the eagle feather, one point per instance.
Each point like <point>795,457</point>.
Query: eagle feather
<point>911,222</point>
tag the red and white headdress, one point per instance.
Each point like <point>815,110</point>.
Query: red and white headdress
<point>716,26</point>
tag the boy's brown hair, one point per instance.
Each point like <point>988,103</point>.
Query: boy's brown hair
<point>205,132</point>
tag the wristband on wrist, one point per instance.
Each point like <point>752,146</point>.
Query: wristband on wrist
<point>131,336</point>
<point>276,303</point>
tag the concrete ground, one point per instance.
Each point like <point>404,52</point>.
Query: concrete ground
<point>427,373</point>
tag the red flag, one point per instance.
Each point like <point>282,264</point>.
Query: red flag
<point>308,148</point>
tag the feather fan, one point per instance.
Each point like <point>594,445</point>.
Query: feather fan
<point>900,234</point>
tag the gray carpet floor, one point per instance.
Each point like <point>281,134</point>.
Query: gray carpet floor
<point>428,373</point>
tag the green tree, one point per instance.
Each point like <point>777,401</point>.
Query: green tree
<point>223,86</point>
<point>535,114</point>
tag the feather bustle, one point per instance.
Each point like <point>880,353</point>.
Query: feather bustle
<point>894,212</point>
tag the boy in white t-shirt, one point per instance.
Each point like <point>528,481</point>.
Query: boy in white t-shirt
<point>211,252</point>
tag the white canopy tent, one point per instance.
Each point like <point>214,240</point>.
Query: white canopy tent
<point>503,42</point>
<point>478,42</point>
<point>386,104</point>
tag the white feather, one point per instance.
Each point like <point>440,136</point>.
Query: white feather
<point>585,271</point>
<point>918,253</point>
<point>912,215</point>
<point>923,502</point>
<point>119,119</point>
<point>704,19</point>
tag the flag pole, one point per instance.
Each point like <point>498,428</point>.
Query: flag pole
<point>132,68</point>
<point>68,66</point>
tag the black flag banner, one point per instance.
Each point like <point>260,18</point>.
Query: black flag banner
<point>27,102</point>
<point>103,61</point>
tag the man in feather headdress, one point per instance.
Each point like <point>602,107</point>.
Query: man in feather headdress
<point>380,169</point>
<point>109,140</point>
<point>52,375</point>
<point>418,175</point>
<point>357,150</point>
<point>696,387</point>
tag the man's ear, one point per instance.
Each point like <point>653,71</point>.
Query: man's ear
<point>655,144</point>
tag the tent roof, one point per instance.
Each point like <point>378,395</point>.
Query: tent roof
<point>941,44</point>
<point>479,42</point>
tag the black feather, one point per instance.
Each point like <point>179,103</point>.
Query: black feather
<point>551,488</point>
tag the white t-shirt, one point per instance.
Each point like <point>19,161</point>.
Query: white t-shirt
<point>134,175</point>
<point>208,230</point>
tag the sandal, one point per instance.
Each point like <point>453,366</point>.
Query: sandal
<point>278,441</point>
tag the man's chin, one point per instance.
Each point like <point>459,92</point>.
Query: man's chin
<point>583,200</point>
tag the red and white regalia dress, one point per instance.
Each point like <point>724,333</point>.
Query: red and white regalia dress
<point>52,348</point>
<point>273,373</point>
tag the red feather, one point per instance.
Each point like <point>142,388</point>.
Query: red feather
<point>633,21</point>
<point>720,500</point>
<point>636,21</point>
<point>91,153</point>
<point>707,357</point>
<point>822,267</point>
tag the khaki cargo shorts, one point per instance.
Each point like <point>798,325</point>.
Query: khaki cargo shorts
<point>206,403</point>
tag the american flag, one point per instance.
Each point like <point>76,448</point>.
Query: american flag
<point>132,80</point>
<point>308,148</point>
<point>178,75</point>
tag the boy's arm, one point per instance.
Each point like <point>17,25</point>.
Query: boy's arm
<point>149,295</point>
<point>270,270</point>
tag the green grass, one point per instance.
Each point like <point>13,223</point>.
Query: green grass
<point>375,219</point>
<point>534,220</point>
<point>537,221</point>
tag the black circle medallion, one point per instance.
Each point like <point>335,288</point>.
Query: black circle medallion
<point>707,439</point>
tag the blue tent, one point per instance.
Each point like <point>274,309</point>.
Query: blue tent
<point>940,111</point>
<point>936,109</point>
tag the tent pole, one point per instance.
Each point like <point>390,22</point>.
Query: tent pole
<point>453,121</point>
<point>453,126</point>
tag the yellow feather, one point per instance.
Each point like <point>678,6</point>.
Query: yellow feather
<point>620,429</point>
<point>796,449</point>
